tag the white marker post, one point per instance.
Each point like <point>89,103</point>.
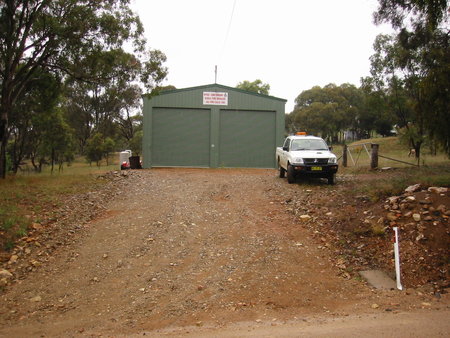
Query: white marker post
<point>397,259</point>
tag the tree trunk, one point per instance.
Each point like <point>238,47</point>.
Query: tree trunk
<point>53,159</point>
<point>4,135</point>
<point>417,149</point>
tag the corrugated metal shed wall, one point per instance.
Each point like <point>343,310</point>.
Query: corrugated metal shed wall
<point>188,144</point>
<point>247,138</point>
<point>180,130</point>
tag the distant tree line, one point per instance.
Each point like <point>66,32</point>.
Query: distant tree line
<point>339,112</point>
<point>408,87</point>
<point>67,84</point>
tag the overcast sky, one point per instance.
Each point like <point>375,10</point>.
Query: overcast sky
<point>292,45</point>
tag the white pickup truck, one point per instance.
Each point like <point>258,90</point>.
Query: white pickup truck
<point>303,155</point>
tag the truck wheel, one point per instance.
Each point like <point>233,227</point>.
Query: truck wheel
<point>282,171</point>
<point>331,179</point>
<point>290,174</point>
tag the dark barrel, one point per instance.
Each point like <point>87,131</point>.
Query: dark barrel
<point>135,162</point>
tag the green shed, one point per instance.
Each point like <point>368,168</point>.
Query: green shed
<point>212,126</point>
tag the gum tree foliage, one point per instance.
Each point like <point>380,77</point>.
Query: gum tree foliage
<point>256,86</point>
<point>413,67</point>
<point>59,36</point>
<point>37,128</point>
<point>328,111</point>
<point>374,112</point>
<point>108,106</point>
<point>98,147</point>
<point>56,144</point>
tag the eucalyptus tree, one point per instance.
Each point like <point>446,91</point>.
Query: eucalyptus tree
<point>57,36</point>
<point>375,113</point>
<point>328,110</point>
<point>414,65</point>
<point>108,105</point>
<point>27,126</point>
<point>256,86</point>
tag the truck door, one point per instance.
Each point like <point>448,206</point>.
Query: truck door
<point>284,154</point>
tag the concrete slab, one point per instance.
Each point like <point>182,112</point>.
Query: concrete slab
<point>378,279</point>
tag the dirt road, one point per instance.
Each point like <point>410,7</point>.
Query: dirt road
<point>195,248</point>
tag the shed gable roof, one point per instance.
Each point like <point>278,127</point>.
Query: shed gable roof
<point>219,86</point>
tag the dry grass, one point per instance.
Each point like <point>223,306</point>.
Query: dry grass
<point>433,170</point>
<point>390,147</point>
<point>26,197</point>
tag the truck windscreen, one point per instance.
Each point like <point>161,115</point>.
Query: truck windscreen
<point>308,145</point>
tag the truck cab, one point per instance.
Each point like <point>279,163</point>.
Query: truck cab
<point>305,155</point>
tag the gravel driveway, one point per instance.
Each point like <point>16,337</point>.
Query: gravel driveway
<point>188,247</point>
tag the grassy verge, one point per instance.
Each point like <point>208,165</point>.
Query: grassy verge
<point>434,170</point>
<point>390,147</point>
<point>382,185</point>
<point>26,197</point>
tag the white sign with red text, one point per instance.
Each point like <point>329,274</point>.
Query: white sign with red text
<point>215,98</point>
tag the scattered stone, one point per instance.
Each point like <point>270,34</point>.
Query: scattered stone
<point>5,274</point>
<point>441,208</point>
<point>35,263</point>
<point>13,259</point>
<point>375,306</point>
<point>438,190</point>
<point>36,299</point>
<point>393,199</point>
<point>305,218</point>
<point>419,237</point>
<point>391,216</point>
<point>416,217</point>
<point>413,188</point>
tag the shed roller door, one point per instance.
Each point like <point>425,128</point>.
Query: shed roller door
<point>180,137</point>
<point>247,139</point>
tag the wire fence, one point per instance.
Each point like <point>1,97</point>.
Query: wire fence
<point>351,155</point>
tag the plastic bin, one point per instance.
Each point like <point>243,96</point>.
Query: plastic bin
<point>135,162</point>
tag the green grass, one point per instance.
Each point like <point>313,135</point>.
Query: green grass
<point>13,225</point>
<point>25,197</point>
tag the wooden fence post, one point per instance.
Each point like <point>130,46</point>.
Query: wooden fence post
<point>344,156</point>
<point>374,156</point>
